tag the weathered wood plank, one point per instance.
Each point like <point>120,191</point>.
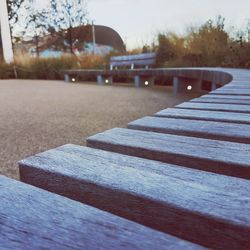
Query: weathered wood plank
<point>223,157</point>
<point>220,100</point>
<point>194,128</point>
<point>221,91</point>
<point>235,97</point>
<point>215,107</point>
<point>137,59</point>
<point>205,115</point>
<point>31,218</point>
<point>166,197</point>
<point>236,86</point>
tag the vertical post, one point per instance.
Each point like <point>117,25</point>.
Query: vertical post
<point>66,78</point>
<point>5,33</point>
<point>176,85</point>
<point>100,80</point>
<point>93,36</point>
<point>137,81</point>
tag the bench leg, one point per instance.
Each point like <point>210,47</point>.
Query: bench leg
<point>137,81</point>
<point>100,80</point>
<point>67,78</point>
<point>176,85</point>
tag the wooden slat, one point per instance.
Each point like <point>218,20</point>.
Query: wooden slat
<point>236,86</point>
<point>31,218</point>
<point>245,92</point>
<point>220,100</point>
<point>235,97</point>
<point>215,107</point>
<point>137,59</point>
<point>166,197</point>
<point>228,158</point>
<point>205,115</point>
<point>194,128</point>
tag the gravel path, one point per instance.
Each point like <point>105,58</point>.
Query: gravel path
<point>39,115</point>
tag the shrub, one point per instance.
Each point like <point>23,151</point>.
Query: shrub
<point>44,68</point>
<point>6,70</point>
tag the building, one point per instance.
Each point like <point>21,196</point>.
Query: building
<point>88,39</point>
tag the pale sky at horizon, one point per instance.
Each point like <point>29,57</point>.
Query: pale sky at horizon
<point>138,21</point>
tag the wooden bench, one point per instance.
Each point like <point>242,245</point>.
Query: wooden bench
<point>226,91</point>
<point>137,60</point>
<point>220,100</point>
<point>233,97</point>
<point>169,198</point>
<point>192,152</point>
<point>205,115</point>
<point>31,218</point>
<point>215,107</point>
<point>185,80</point>
<point>194,128</point>
<point>204,198</point>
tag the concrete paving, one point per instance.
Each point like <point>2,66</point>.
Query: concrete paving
<point>38,115</point>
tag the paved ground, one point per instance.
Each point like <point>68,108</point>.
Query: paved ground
<point>39,115</point>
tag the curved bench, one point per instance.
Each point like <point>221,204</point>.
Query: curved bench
<point>184,171</point>
<point>181,77</point>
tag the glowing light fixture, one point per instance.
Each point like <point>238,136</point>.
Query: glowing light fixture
<point>73,79</point>
<point>146,83</point>
<point>106,81</point>
<point>189,87</point>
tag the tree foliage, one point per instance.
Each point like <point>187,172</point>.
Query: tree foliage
<point>65,16</point>
<point>207,45</point>
<point>13,7</point>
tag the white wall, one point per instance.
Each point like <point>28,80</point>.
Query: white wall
<point>5,33</point>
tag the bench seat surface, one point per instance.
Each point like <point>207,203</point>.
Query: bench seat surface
<point>223,157</point>
<point>205,115</point>
<point>194,128</point>
<point>31,218</point>
<point>220,100</point>
<point>165,197</point>
<point>221,95</point>
<point>215,107</point>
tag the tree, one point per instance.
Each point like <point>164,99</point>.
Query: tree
<point>65,16</point>
<point>36,24</point>
<point>210,41</point>
<point>170,48</point>
<point>13,7</point>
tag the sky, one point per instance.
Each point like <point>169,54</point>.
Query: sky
<point>139,21</point>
